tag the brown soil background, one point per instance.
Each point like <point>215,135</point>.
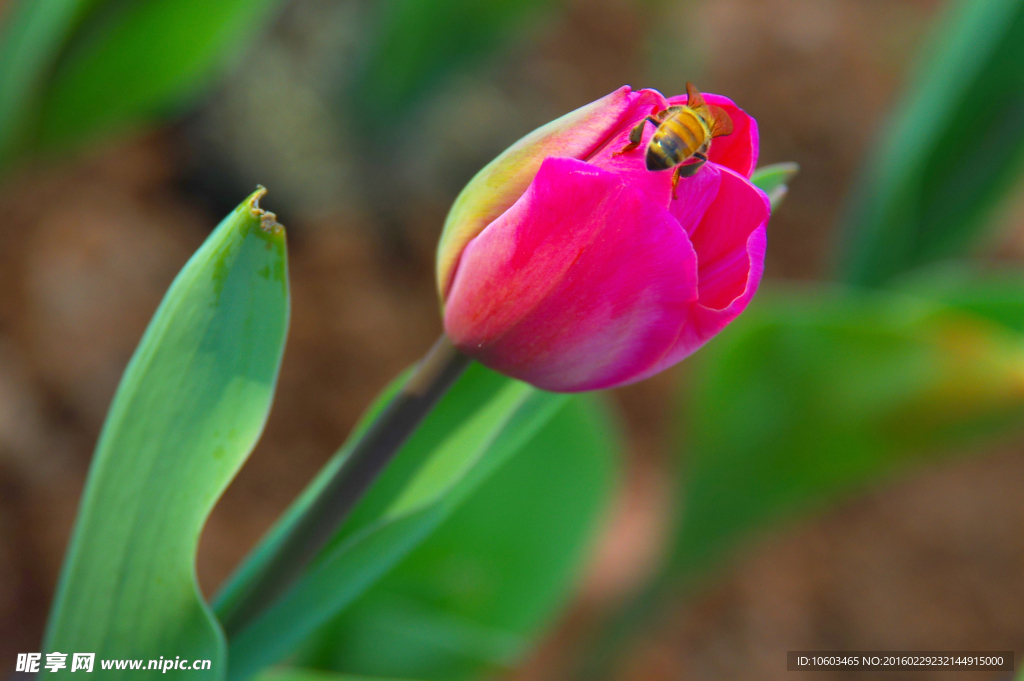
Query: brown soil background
<point>932,561</point>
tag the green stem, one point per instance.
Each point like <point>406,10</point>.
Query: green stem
<point>431,379</point>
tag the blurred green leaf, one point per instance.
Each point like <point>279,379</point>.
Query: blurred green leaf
<point>483,421</point>
<point>131,61</point>
<point>469,600</point>
<point>31,37</point>
<point>993,294</point>
<point>953,150</point>
<point>189,409</point>
<point>299,674</point>
<point>774,180</point>
<point>419,42</point>
<point>74,69</point>
<point>815,393</point>
<point>810,396</point>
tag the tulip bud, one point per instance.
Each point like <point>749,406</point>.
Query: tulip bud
<point>573,268</point>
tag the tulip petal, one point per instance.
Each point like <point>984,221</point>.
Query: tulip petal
<point>723,264</point>
<point>694,195</point>
<point>577,286</point>
<point>632,165</point>
<point>730,242</point>
<point>502,181</point>
<point>737,150</point>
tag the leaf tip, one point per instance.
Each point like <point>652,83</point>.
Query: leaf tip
<point>774,180</point>
<point>776,195</point>
<point>790,169</point>
<point>268,220</point>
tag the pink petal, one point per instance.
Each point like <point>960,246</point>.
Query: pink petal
<point>738,150</point>
<point>582,284</point>
<point>730,243</point>
<point>723,262</point>
<point>632,166</point>
<point>695,194</point>
<point>502,181</point>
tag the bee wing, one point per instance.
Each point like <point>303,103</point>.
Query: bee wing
<point>721,121</point>
<point>694,100</point>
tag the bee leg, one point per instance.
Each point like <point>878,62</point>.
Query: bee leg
<point>635,135</point>
<point>687,171</point>
<point>690,169</point>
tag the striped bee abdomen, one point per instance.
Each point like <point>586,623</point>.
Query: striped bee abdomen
<point>676,139</point>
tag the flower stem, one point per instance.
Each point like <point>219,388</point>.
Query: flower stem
<point>433,376</point>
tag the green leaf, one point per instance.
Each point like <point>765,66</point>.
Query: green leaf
<point>485,419</point>
<point>299,674</point>
<point>774,180</point>
<point>131,61</point>
<point>811,396</point>
<point>471,598</point>
<point>990,293</point>
<point>189,409</point>
<point>952,151</point>
<point>30,42</point>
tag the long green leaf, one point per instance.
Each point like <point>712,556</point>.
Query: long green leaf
<point>812,396</point>
<point>954,148</point>
<point>189,410</point>
<point>469,600</point>
<point>483,420</point>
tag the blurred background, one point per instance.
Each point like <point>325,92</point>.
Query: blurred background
<point>841,470</point>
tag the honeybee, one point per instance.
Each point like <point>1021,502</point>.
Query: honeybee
<point>684,133</point>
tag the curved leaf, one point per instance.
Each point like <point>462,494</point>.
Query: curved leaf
<point>188,411</point>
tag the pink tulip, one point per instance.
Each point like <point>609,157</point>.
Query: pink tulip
<point>573,269</point>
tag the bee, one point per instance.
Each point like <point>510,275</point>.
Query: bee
<point>684,133</point>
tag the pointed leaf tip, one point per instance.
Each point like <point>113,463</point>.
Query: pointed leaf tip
<point>774,180</point>
<point>268,220</point>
